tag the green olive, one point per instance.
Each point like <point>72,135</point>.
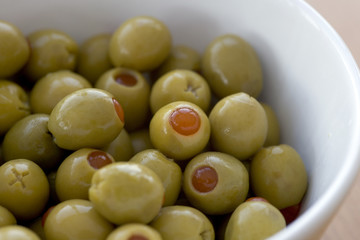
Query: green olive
<point>120,148</point>
<point>215,183</point>
<point>17,233</point>
<point>24,190</point>
<point>182,222</point>
<point>231,65</point>
<point>6,217</point>
<point>14,104</point>
<point>14,49</point>
<point>29,138</point>
<point>94,59</point>
<point>180,85</point>
<point>132,91</point>
<point>273,134</point>
<point>73,177</point>
<point>86,118</point>
<point>168,171</point>
<point>140,140</point>
<point>141,43</point>
<point>238,125</point>
<point>51,50</point>
<point>126,192</point>
<point>76,219</point>
<point>278,174</point>
<point>134,231</point>
<point>180,130</point>
<point>53,87</point>
<point>180,57</point>
<point>254,220</point>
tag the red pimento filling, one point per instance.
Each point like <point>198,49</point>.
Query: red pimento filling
<point>185,121</point>
<point>98,159</point>
<point>204,179</point>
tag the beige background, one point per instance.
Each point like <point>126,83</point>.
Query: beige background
<point>344,16</point>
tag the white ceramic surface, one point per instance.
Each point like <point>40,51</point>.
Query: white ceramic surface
<point>311,79</point>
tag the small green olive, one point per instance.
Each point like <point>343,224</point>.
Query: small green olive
<point>86,118</point>
<point>51,50</point>
<point>238,125</point>
<point>141,43</point>
<point>231,65</point>
<point>76,219</point>
<point>180,85</point>
<point>29,138</point>
<point>134,231</point>
<point>53,87</point>
<point>73,177</point>
<point>168,171</point>
<point>126,192</point>
<point>215,183</point>
<point>14,49</point>
<point>182,222</point>
<point>14,105</point>
<point>24,190</point>
<point>93,58</point>
<point>132,91</point>
<point>180,130</point>
<point>278,174</point>
<point>254,220</point>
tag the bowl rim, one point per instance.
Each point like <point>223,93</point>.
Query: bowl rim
<point>326,206</point>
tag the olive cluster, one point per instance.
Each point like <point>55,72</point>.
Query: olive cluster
<point>129,137</point>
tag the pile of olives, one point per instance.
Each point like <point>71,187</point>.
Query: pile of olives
<point>128,137</point>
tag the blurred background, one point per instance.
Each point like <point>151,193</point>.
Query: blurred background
<point>344,16</point>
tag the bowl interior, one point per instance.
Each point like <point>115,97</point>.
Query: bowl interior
<point>310,78</point>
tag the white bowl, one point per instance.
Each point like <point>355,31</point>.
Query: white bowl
<point>311,79</point>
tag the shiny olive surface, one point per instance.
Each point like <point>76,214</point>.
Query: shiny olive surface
<point>140,140</point>
<point>180,130</point>
<point>254,220</point>
<point>134,231</point>
<point>273,134</point>
<point>231,65</point>
<point>168,171</point>
<point>86,118</point>
<point>24,188</point>
<point>14,49</point>
<point>51,50</point>
<point>132,91</point>
<point>180,85</point>
<point>29,138</point>
<point>6,217</point>
<point>141,43</point>
<point>93,58</point>
<point>73,177</point>
<point>182,222</point>
<point>121,148</point>
<point>126,192</point>
<point>17,233</point>
<point>238,125</point>
<point>215,183</point>
<point>14,104</point>
<point>76,219</point>
<point>278,174</point>
<point>180,57</point>
<point>53,87</point>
